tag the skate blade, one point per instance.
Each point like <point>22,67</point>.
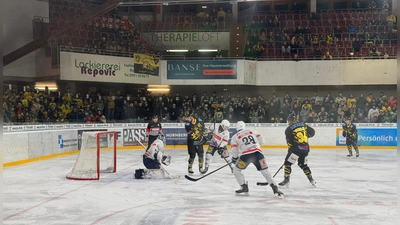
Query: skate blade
<point>242,194</point>
<point>280,195</point>
<point>313,185</point>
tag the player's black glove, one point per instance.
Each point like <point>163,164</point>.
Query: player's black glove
<point>220,150</point>
<point>344,134</point>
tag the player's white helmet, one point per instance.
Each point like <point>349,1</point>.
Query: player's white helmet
<point>225,124</point>
<point>240,125</point>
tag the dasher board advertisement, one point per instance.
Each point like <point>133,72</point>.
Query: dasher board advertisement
<point>101,68</point>
<point>202,69</point>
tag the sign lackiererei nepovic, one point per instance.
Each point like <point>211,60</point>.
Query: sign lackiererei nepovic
<point>202,69</point>
<point>101,68</point>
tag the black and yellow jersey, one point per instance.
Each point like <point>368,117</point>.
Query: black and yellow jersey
<point>297,135</point>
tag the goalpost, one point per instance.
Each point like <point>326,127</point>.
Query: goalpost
<point>98,154</point>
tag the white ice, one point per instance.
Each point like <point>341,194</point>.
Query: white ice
<point>349,191</point>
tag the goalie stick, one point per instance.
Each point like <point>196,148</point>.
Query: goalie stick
<point>169,175</point>
<point>197,179</point>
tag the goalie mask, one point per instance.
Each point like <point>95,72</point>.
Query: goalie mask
<point>161,136</point>
<point>240,125</point>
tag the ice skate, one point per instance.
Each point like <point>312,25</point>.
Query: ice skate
<point>243,191</point>
<point>276,191</point>
<point>203,170</point>
<point>350,154</point>
<point>285,183</point>
<point>357,154</point>
<point>312,181</point>
<point>190,171</point>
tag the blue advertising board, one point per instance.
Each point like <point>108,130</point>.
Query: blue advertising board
<point>202,69</point>
<point>371,137</point>
<point>178,136</point>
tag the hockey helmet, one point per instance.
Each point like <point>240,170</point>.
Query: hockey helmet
<point>240,125</point>
<point>225,124</point>
<point>291,119</point>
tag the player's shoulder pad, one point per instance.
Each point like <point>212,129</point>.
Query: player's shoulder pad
<point>187,124</point>
<point>199,119</point>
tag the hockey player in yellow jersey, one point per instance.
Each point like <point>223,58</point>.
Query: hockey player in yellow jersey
<point>350,133</point>
<point>297,134</point>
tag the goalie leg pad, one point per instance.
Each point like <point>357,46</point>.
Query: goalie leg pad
<point>154,174</point>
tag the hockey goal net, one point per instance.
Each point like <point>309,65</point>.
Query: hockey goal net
<point>98,154</point>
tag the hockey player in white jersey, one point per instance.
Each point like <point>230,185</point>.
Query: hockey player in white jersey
<point>154,156</point>
<point>246,149</point>
<point>218,143</point>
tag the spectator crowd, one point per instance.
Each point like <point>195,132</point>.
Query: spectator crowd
<point>32,107</point>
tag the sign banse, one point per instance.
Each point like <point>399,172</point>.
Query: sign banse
<point>192,40</point>
<point>202,69</point>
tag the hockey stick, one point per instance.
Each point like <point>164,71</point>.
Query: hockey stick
<point>266,183</point>
<point>197,179</point>
<point>353,142</point>
<point>169,175</point>
<point>220,145</point>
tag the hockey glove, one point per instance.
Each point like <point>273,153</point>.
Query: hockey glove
<point>234,160</point>
<point>344,134</point>
<point>220,150</point>
<point>166,160</point>
<point>354,135</point>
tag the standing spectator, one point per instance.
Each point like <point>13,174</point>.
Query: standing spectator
<point>392,101</point>
<point>391,20</point>
<point>361,103</point>
<point>357,43</point>
<point>373,114</point>
<point>110,106</point>
<point>174,113</point>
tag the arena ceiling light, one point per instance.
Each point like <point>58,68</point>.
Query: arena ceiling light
<point>208,50</point>
<point>177,50</point>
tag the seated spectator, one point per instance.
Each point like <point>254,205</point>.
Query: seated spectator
<point>258,49</point>
<point>329,39</point>
<point>263,38</point>
<point>327,55</point>
<point>249,53</point>
<point>315,39</point>
<point>351,30</point>
<point>338,32</point>
<point>270,39</point>
<point>372,4</point>
<point>317,53</point>
<point>357,45</point>
<point>374,52</point>
<point>285,47</point>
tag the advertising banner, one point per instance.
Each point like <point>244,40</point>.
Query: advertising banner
<point>146,64</point>
<point>131,135</point>
<point>101,68</point>
<point>191,40</point>
<point>202,69</point>
<point>371,137</point>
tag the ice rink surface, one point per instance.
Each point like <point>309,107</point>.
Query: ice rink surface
<point>349,191</point>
